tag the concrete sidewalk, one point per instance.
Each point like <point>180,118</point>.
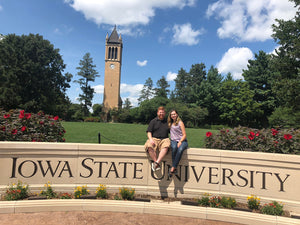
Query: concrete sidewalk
<point>93,218</point>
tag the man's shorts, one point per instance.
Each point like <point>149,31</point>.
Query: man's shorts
<point>159,144</point>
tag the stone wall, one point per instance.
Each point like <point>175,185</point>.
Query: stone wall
<point>217,172</point>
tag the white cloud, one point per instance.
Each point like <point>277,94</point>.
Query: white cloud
<point>1,8</point>
<point>234,61</point>
<point>171,76</point>
<point>132,92</point>
<point>246,20</point>
<point>99,89</point>
<point>124,12</point>
<point>141,63</point>
<point>185,35</point>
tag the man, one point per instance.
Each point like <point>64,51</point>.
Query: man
<point>158,139</point>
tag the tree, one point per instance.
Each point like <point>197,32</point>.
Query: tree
<point>31,74</point>
<point>197,76</point>
<point>237,106</point>
<point>259,77</point>
<point>209,95</point>
<point>286,61</point>
<point>97,109</point>
<point>127,104</point>
<point>88,74</point>
<point>147,91</point>
<point>182,88</point>
<point>162,88</point>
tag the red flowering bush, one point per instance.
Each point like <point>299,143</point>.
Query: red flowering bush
<point>17,125</point>
<point>285,141</point>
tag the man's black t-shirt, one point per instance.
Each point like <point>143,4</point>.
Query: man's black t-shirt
<point>158,128</point>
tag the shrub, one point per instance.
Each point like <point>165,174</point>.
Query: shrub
<point>204,201</point>
<point>253,202</point>
<point>16,125</point>
<point>273,208</point>
<point>81,190</point>
<point>215,202</point>
<point>228,202</point>
<point>49,192</point>
<point>16,192</point>
<point>101,191</point>
<point>286,141</point>
<point>65,196</point>
<point>127,193</point>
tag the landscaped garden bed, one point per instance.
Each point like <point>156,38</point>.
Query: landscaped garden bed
<point>20,191</point>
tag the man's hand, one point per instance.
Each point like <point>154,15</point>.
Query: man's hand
<point>152,142</point>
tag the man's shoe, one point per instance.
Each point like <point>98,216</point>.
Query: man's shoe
<point>157,166</point>
<point>153,167</point>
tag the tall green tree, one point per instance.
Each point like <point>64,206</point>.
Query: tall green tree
<point>182,87</point>
<point>197,76</point>
<point>259,75</point>
<point>237,106</point>
<point>162,89</point>
<point>87,74</point>
<point>31,74</point>
<point>209,95</point>
<point>147,92</point>
<point>286,60</point>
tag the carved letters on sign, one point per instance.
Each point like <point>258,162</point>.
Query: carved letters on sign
<point>134,170</point>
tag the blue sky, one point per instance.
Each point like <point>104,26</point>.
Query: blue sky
<point>159,36</point>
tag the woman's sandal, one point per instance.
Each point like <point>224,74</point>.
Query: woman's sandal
<point>171,173</point>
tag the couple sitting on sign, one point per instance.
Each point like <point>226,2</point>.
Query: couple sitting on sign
<point>158,139</point>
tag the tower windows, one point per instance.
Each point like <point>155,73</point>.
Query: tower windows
<point>112,53</point>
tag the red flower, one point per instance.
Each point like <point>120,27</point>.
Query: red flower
<point>56,118</point>
<point>41,122</point>
<point>244,137</point>
<point>274,132</point>
<point>257,134</point>
<point>3,128</point>
<point>6,116</point>
<point>27,115</point>
<point>287,136</point>
<point>208,134</point>
<point>23,128</point>
<point>21,116</point>
<point>251,135</point>
<point>14,131</point>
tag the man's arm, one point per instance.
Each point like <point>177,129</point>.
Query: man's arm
<point>149,135</point>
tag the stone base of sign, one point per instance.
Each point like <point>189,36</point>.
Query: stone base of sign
<point>171,209</point>
<point>272,177</point>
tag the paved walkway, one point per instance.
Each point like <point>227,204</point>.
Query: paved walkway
<point>93,218</point>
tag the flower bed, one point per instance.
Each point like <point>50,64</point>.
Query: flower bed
<point>20,191</point>
<point>17,125</point>
<point>286,141</point>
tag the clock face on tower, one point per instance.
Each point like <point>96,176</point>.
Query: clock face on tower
<point>112,66</point>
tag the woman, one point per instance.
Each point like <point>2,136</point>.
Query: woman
<point>178,139</point>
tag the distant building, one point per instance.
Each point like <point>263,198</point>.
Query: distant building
<point>112,75</point>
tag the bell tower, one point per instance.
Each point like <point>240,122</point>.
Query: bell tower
<point>112,75</point>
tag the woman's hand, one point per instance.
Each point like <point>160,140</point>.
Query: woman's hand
<point>178,144</point>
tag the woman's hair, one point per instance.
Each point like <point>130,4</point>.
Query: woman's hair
<point>170,120</point>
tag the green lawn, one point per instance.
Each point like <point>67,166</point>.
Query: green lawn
<point>120,133</point>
